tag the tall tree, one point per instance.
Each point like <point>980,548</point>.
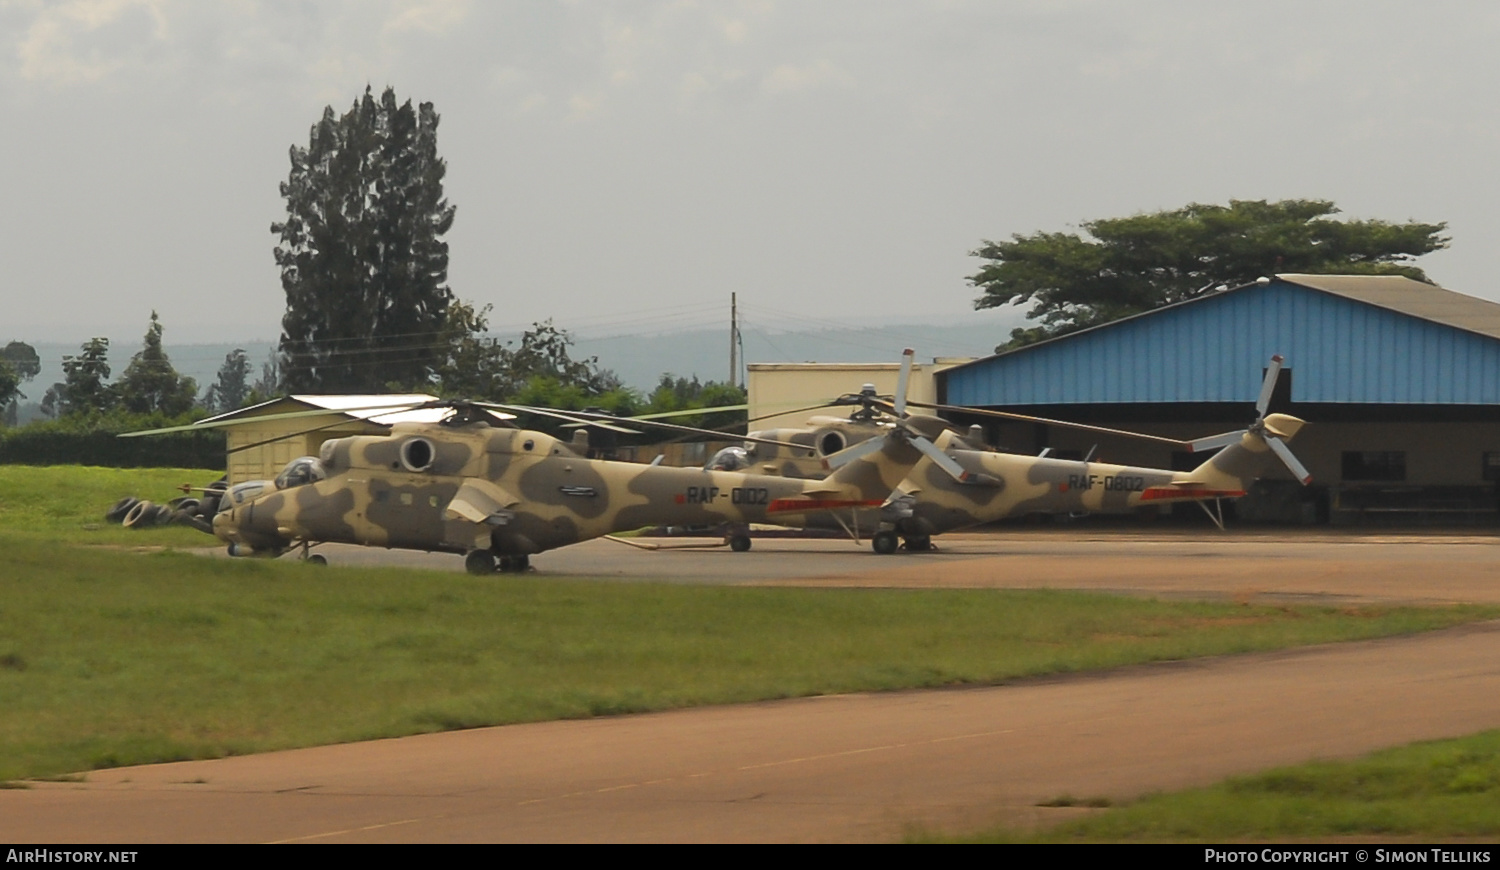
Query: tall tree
<point>361,254</point>
<point>150,384</point>
<point>83,388</point>
<point>233,385</point>
<point>1123,266</point>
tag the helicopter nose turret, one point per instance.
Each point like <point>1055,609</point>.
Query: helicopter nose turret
<point>249,528</point>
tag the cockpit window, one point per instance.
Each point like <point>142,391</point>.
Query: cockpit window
<point>300,471</point>
<point>243,492</point>
<point>729,459</point>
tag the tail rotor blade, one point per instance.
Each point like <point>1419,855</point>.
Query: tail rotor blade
<point>1214,442</point>
<point>1296,468</point>
<point>941,459</point>
<point>1273,371</point>
<point>906,360</point>
<point>848,455</point>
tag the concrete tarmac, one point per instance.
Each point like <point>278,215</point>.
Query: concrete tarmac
<point>865,767</point>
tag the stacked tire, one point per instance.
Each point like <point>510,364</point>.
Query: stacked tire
<point>135,513</point>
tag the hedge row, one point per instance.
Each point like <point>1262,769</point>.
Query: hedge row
<point>43,445</point>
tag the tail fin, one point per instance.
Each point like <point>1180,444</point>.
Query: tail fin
<point>873,474</point>
<point>1239,464</point>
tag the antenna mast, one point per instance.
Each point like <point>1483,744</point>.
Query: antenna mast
<point>734,335</point>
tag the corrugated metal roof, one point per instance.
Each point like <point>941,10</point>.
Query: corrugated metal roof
<point>1403,295</point>
<point>1348,339</point>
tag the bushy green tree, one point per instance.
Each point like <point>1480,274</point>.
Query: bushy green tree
<point>361,254</point>
<point>1124,266</point>
<point>475,365</point>
<point>84,388</point>
<point>18,363</point>
<point>680,394</point>
<point>480,367</point>
<point>150,385</point>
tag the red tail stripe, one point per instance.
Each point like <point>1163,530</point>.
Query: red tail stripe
<point>783,505</point>
<point>1159,493</point>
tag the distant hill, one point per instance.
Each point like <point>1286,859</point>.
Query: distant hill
<point>639,360</point>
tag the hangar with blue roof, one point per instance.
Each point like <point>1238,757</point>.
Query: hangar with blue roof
<point>1398,379</point>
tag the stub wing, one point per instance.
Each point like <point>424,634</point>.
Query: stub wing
<point>478,501</point>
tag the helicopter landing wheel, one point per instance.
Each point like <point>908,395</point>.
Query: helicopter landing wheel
<point>918,544</point>
<point>316,559</point>
<point>739,543</point>
<point>515,564</point>
<point>884,543</point>
<point>479,562</point>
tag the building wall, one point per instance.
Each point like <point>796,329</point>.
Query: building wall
<point>780,389</point>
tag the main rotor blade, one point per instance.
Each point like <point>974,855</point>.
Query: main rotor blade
<point>1273,371</point>
<point>689,411</point>
<point>901,384</point>
<point>1296,468</point>
<point>983,412</point>
<point>289,415</point>
<point>941,459</point>
<point>592,418</point>
<point>256,444</point>
<point>830,404</point>
<point>685,412</point>
<point>1214,442</point>
<point>582,418</point>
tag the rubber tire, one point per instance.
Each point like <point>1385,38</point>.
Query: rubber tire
<point>317,559</point>
<point>884,543</point>
<point>122,507</point>
<point>479,562</point>
<point>918,544</point>
<point>739,543</point>
<point>142,515</point>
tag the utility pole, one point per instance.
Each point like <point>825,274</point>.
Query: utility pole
<point>734,336</point>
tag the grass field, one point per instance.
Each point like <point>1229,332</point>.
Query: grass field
<point>1427,791</point>
<point>66,504</point>
<point>109,657</point>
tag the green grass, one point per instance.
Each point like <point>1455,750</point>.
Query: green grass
<point>1442,789</point>
<point>110,658</point>
<point>66,503</point>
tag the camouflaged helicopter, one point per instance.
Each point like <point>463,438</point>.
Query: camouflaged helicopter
<point>474,485</point>
<point>963,485</point>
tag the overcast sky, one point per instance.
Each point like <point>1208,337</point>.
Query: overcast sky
<point>622,167</point>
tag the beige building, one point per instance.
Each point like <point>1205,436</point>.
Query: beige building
<point>784,395</point>
<point>258,451</point>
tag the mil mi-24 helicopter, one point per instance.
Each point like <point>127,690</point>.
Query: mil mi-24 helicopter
<point>500,495</point>
<point>961,485</point>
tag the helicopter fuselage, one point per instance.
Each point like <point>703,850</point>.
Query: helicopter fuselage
<point>510,491</point>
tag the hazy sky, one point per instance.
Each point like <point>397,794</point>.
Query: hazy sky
<point>622,167</point>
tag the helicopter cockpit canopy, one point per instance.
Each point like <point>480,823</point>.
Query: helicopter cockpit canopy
<point>301,471</point>
<point>729,459</point>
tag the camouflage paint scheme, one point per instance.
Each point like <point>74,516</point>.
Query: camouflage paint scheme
<point>1011,485</point>
<point>467,487</point>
